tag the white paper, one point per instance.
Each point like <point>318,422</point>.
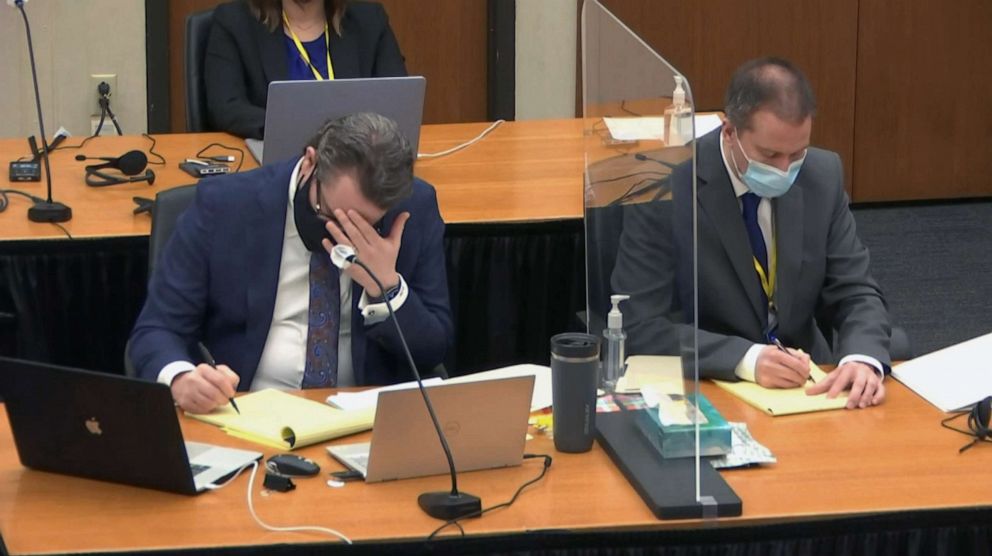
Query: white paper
<point>951,378</point>
<point>369,398</point>
<point>636,129</point>
<point>542,381</point>
<point>652,128</point>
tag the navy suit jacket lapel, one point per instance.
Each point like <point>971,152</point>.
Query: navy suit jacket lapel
<point>718,204</point>
<point>264,232</point>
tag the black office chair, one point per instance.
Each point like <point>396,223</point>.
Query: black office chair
<point>197,31</point>
<point>169,204</point>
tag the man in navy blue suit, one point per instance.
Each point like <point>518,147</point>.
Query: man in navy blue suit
<point>247,274</point>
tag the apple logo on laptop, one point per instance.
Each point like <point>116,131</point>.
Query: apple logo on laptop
<point>93,426</point>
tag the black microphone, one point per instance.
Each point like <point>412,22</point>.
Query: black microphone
<point>439,504</point>
<point>129,163</point>
<point>48,210</point>
<point>642,156</point>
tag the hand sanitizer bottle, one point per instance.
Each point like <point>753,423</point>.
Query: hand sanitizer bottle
<point>613,354</point>
<point>678,117</point>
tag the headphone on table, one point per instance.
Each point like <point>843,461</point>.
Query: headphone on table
<point>130,164</point>
<point>978,422</point>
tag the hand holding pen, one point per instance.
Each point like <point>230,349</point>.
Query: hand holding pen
<point>209,360</point>
<point>779,367</point>
<point>782,348</point>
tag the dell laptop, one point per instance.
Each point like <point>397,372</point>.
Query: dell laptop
<point>295,110</point>
<point>485,424</point>
<point>107,427</point>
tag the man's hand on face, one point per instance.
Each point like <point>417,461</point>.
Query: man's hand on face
<point>866,386</point>
<point>377,252</point>
<point>204,388</point>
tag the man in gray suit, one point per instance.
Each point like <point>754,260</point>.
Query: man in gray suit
<point>777,249</point>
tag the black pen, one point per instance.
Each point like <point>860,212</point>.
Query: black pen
<point>209,360</point>
<point>781,348</point>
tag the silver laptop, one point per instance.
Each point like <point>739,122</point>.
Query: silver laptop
<point>484,422</point>
<point>295,110</point>
<point>107,427</point>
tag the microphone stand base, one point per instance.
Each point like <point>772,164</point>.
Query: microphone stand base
<point>446,506</point>
<point>49,212</point>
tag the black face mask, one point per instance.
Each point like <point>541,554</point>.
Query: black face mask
<point>309,225</point>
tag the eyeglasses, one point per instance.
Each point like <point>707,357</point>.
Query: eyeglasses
<point>320,201</point>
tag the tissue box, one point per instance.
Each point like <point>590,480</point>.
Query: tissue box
<point>679,440</point>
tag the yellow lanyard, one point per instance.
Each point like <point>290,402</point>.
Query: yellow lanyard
<point>303,51</point>
<point>767,281</point>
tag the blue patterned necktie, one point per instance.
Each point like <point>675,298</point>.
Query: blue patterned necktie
<point>321,369</point>
<point>749,209</point>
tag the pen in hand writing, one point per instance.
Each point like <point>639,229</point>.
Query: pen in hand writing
<point>781,348</point>
<point>209,360</point>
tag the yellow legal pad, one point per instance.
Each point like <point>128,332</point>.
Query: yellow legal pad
<point>285,421</point>
<point>778,401</point>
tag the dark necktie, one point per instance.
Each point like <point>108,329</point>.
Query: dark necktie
<point>749,208</point>
<point>321,369</point>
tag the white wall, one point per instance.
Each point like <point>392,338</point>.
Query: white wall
<point>72,39</point>
<point>545,58</point>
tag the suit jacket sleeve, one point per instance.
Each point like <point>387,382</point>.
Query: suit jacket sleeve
<point>850,299</point>
<point>172,317</point>
<point>425,317</point>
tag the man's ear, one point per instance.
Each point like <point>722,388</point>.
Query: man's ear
<point>309,161</point>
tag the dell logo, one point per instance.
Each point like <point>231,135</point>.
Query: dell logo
<point>93,426</point>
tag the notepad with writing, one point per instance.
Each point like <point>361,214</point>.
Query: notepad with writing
<point>284,421</point>
<point>784,401</point>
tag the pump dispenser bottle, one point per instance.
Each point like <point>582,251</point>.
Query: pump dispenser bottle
<point>613,352</point>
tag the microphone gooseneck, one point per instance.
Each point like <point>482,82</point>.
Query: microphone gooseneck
<point>48,211</point>
<point>440,505</point>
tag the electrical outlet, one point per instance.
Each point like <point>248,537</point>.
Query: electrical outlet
<point>107,129</point>
<point>95,80</point>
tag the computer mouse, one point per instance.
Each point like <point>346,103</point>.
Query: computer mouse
<point>294,465</point>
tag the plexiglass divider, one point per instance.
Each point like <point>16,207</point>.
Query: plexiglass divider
<point>640,203</point>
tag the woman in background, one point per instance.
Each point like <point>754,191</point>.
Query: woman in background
<point>255,42</point>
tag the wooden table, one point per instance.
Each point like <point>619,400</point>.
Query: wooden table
<point>521,172</point>
<point>831,465</point>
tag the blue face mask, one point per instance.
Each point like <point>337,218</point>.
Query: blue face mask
<point>764,180</point>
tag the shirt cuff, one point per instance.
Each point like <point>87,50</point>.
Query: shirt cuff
<point>749,363</point>
<point>374,313</point>
<point>867,360</point>
<point>172,370</point>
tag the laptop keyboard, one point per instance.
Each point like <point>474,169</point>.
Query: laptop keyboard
<point>197,469</point>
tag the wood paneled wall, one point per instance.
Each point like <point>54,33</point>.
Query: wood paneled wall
<point>923,127</point>
<point>706,41</point>
<point>443,40</point>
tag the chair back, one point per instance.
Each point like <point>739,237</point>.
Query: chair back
<point>169,204</point>
<point>197,31</point>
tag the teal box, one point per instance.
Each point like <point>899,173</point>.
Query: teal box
<point>679,441</point>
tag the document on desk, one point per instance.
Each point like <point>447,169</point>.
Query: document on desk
<point>284,421</point>
<point>652,128</point>
<point>952,378</point>
<point>661,372</point>
<point>784,401</point>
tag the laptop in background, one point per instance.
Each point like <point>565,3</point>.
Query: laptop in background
<point>107,427</point>
<point>295,110</point>
<point>484,422</point>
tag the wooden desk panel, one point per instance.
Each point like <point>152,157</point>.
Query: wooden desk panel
<point>833,464</point>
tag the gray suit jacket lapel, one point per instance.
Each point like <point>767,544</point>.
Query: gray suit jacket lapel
<point>718,204</point>
<point>789,232</point>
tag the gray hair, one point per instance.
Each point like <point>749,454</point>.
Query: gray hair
<point>372,146</point>
<point>771,83</point>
